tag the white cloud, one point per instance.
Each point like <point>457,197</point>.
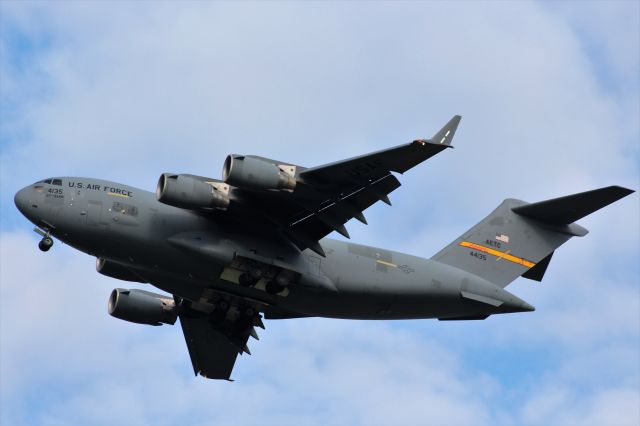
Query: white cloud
<point>557,406</point>
<point>56,335</point>
<point>611,35</point>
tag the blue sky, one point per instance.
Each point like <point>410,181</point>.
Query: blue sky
<point>550,99</point>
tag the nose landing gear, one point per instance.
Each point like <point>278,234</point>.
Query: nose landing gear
<point>46,242</point>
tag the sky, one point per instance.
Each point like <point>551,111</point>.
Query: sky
<point>124,91</point>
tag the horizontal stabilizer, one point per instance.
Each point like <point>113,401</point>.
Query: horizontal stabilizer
<point>566,210</point>
<point>469,318</point>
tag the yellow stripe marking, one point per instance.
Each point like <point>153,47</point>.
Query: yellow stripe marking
<point>382,262</point>
<point>113,194</point>
<point>499,254</point>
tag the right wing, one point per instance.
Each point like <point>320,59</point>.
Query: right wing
<point>328,196</point>
<point>372,167</point>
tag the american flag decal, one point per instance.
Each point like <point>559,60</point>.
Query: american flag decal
<point>503,238</point>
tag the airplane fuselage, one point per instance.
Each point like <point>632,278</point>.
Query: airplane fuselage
<point>185,253</point>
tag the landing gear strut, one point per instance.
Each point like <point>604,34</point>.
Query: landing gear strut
<point>280,282</point>
<point>46,242</point>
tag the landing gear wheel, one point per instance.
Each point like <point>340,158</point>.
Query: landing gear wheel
<point>245,280</point>
<point>256,272</point>
<point>45,244</point>
<point>273,287</point>
<point>249,312</point>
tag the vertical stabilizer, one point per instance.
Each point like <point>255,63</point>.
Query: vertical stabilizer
<point>518,238</point>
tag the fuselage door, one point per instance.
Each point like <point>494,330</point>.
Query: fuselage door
<point>94,211</point>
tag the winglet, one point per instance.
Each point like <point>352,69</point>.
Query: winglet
<point>445,135</point>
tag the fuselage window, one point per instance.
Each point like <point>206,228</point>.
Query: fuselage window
<point>126,209</point>
<point>56,182</point>
<point>47,180</point>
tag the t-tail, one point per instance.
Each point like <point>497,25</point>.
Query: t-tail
<point>519,238</point>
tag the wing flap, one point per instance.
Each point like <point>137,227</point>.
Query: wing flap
<point>307,231</point>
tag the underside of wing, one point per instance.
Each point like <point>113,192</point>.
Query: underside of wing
<point>301,204</point>
<point>328,196</point>
<point>313,224</point>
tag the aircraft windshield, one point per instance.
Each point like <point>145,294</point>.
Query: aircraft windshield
<point>52,181</point>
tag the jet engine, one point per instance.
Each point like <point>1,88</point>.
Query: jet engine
<point>142,307</point>
<point>117,271</point>
<point>247,171</point>
<point>192,192</point>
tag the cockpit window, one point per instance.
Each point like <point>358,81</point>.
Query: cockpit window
<point>51,181</point>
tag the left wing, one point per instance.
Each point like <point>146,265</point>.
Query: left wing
<point>212,354</point>
<point>328,196</point>
<point>214,346</point>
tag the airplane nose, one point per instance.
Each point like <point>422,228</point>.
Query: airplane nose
<point>21,199</point>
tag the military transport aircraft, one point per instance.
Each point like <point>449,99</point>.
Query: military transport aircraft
<point>231,252</point>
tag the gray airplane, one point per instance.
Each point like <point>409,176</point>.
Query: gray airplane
<point>231,252</point>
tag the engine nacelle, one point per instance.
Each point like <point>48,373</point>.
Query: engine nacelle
<point>117,271</point>
<point>192,192</point>
<point>247,171</point>
<point>142,307</point>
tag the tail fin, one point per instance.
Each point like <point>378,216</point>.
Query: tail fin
<point>518,238</point>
